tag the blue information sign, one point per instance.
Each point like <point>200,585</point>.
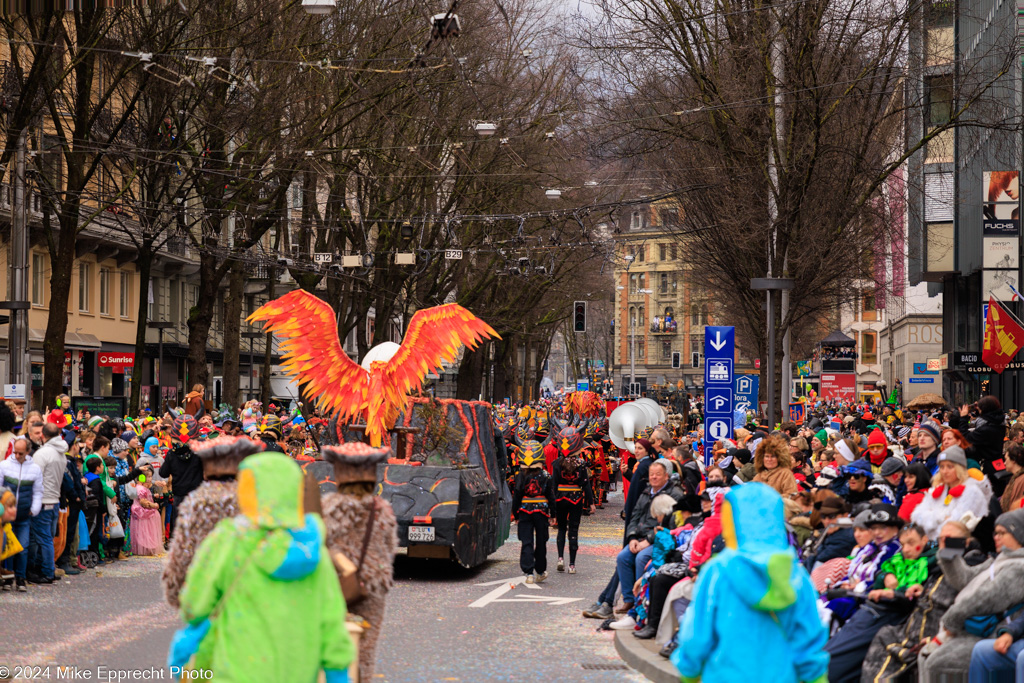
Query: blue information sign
<point>719,355</point>
<point>744,390</point>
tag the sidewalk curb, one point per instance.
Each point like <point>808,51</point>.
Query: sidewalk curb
<point>642,656</point>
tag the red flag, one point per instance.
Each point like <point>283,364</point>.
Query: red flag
<point>1003,337</point>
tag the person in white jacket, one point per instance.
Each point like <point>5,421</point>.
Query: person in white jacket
<point>955,495</point>
<point>24,477</point>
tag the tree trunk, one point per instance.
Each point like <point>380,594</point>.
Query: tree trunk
<point>144,265</point>
<point>62,265</point>
<point>269,346</point>
<point>232,333</point>
<point>200,318</point>
<point>499,391</point>
<point>471,369</point>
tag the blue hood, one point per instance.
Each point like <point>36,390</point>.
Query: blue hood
<point>293,554</point>
<point>761,564</point>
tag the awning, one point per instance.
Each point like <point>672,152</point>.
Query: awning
<point>72,340</point>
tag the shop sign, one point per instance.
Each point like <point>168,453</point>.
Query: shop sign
<point>118,361</point>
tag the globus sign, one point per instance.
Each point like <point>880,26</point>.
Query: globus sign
<point>118,360</point>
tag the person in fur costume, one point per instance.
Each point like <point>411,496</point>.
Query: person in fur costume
<point>955,495</point>
<point>346,515</point>
<point>214,500</point>
<point>990,588</point>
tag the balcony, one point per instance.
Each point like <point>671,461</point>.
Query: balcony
<point>662,328</point>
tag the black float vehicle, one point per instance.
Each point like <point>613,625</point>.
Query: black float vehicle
<point>446,480</point>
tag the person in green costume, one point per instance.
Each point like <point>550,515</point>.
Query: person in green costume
<point>261,599</point>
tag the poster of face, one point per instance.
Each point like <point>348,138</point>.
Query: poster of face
<point>1001,186</point>
<point>1001,252</point>
<point>998,283</point>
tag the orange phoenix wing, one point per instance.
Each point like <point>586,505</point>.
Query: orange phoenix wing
<point>434,335</point>
<point>312,353</point>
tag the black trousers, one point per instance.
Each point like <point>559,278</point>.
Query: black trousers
<point>533,534</point>
<point>568,516</point>
<point>660,585</point>
<point>849,646</point>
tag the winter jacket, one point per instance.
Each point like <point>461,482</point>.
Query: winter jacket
<point>1013,492</point>
<point>839,543</point>
<point>637,484</point>
<point>994,589</point>
<point>934,511</point>
<point>280,614</point>
<point>780,479</point>
<point>185,469</point>
<point>755,590</point>
<point>747,472</point>
<point>703,538</point>
<point>52,462</point>
<point>641,525</point>
<point>1015,628</point>
<point>26,481</point>
<point>986,438</point>
<point>908,572</point>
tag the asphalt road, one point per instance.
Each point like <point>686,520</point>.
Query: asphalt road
<point>441,624</point>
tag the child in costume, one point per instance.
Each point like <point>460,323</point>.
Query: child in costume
<point>754,591</point>
<point>261,599</point>
<point>147,531</point>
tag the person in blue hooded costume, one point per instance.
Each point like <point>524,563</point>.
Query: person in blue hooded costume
<point>753,594</point>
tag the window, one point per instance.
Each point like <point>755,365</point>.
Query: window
<point>704,317</point>
<point>632,284</point>
<point>868,311</point>
<point>636,221</point>
<point>640,351</point>
<point>868,348</point>
<point>104,291</point>
<point>695,314</point>
<point>640,280</point>
<point>632,315</point>
<point>640,316</point>
<point>666,350</point>
<point>674,252</point>
<point>664,281</point>
<point>674,283</point>
<point>38,280</point>
<point>84,275</point>
<point>663,251</point>
<point>668,311</point>
<point>642,253</point>
<point>126,294</point>
<point>939,93</point>
<point>669,217</point>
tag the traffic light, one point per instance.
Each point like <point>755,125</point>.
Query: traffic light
<point>676,359</point>
<point>695,360</point>
<point>579,316</point>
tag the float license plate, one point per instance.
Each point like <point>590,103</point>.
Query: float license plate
<point>421,533</point>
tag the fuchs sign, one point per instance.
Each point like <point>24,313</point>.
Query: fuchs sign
<point>118,361</point>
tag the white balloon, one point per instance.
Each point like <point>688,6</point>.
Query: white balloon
<point>381,353</point>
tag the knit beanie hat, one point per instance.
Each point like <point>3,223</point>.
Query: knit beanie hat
<point>743,455</point>
<point>933,430</point>
<point>1013,522</point>
<point>877,438</point>
<point>118,446</point>
<point>648,447</point>
<point>822,436</point>
<point>954,454</point>
<point>95,421</point>
<point>891,466</point>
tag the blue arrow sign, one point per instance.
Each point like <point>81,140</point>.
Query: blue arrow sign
<point>719,356</point>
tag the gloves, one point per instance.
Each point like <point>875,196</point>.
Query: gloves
<point>337,675</point>
<point>185,643</point>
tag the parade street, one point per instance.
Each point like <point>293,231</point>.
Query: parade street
<point>444,623</point>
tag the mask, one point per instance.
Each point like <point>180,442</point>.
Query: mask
<point>715,482</point>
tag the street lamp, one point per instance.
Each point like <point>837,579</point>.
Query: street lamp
<point>319,6</point>
<point>160,326</point>
<point>250,336</point>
